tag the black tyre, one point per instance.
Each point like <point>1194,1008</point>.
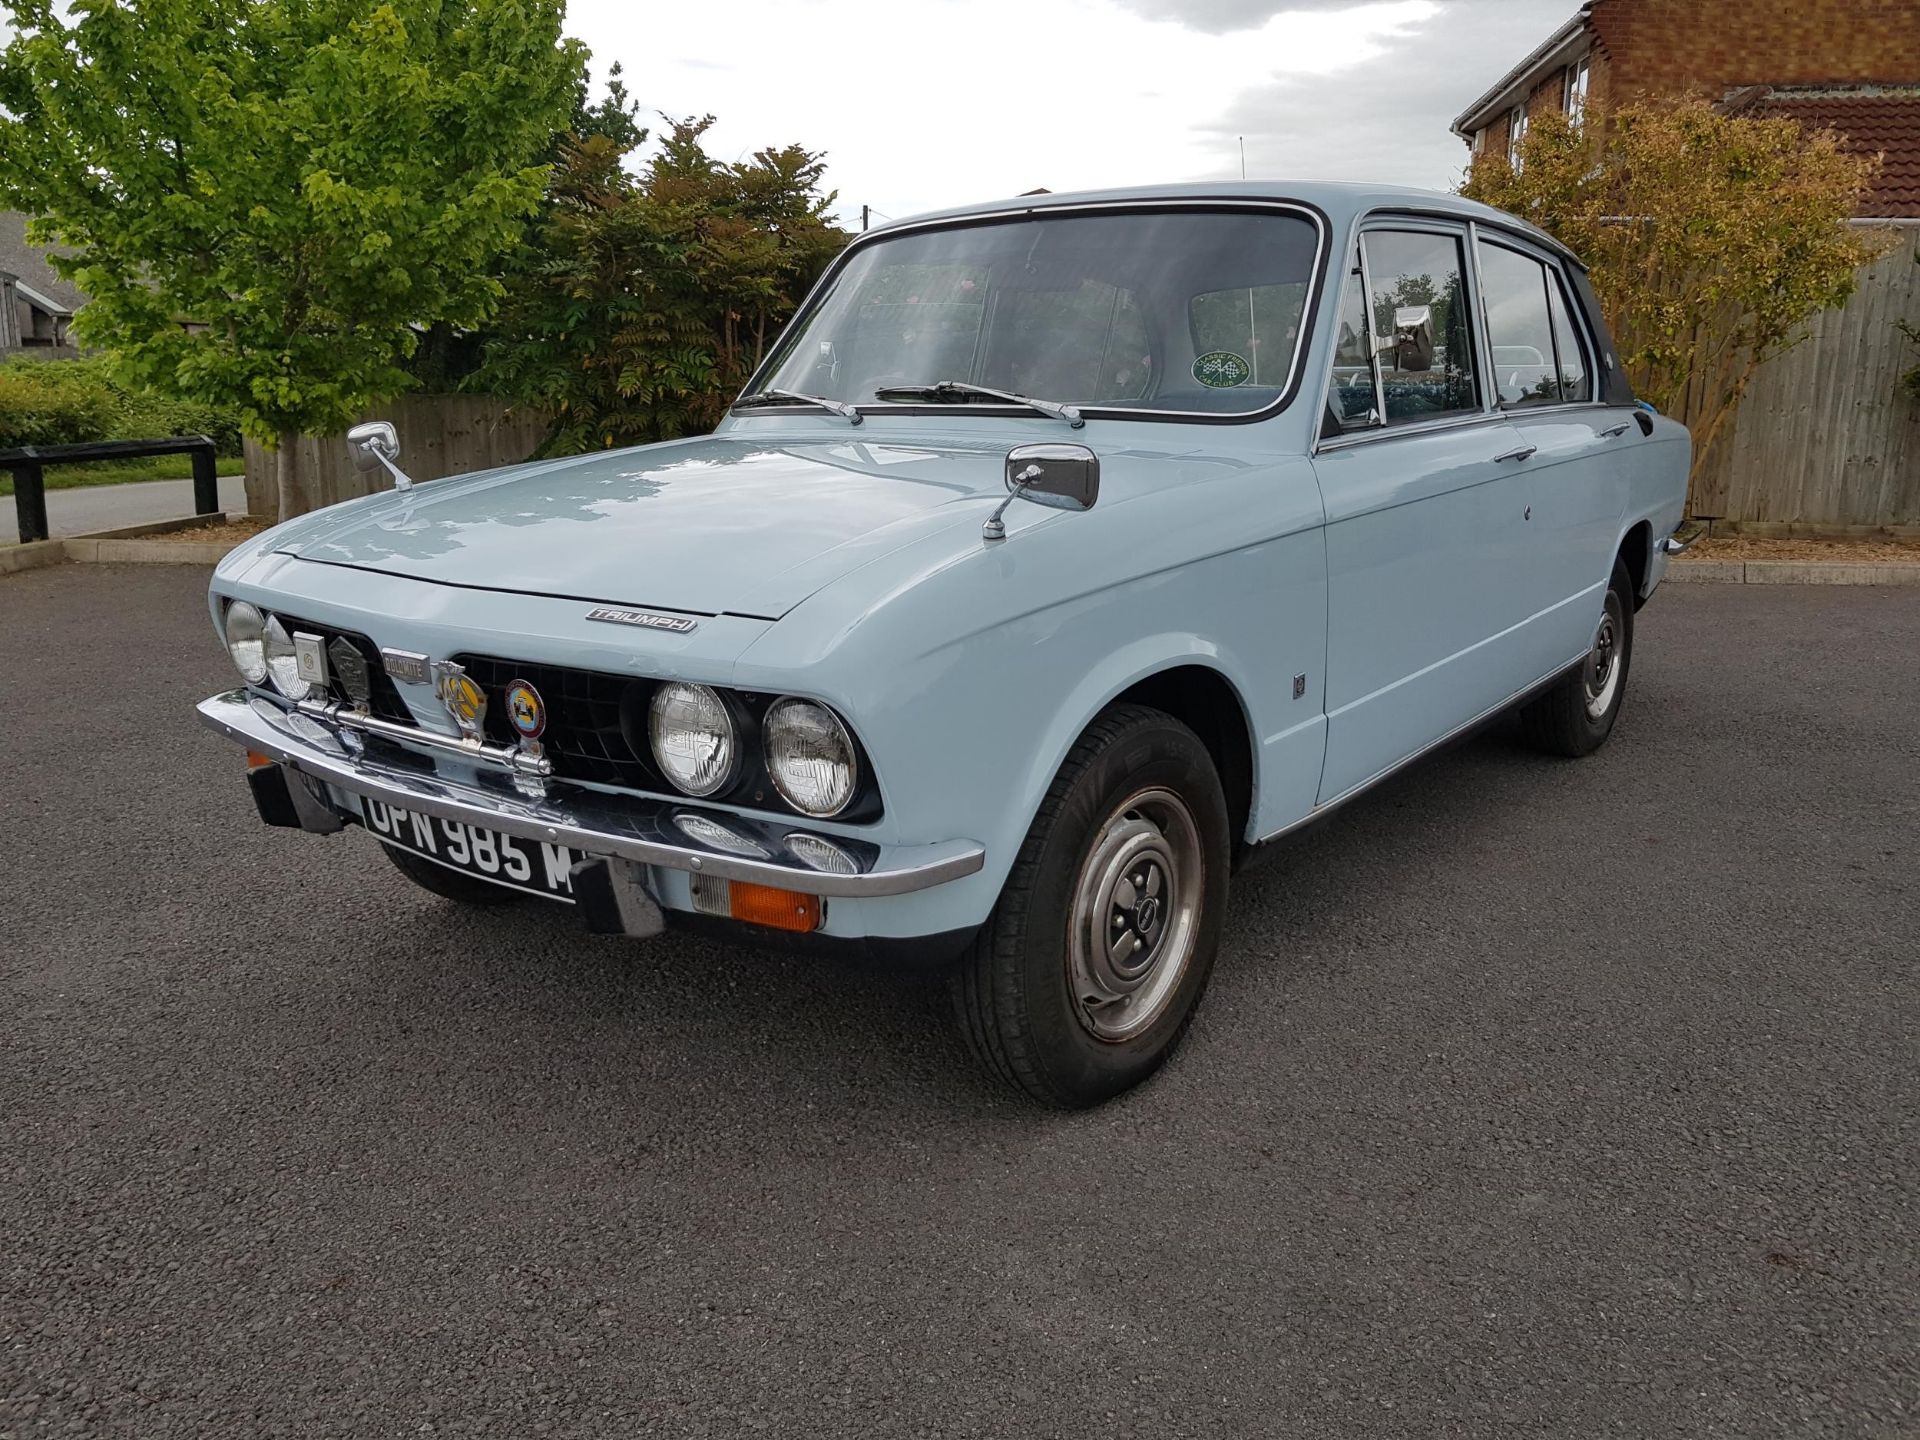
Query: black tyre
<point>449,884</point>
<point>1087,973</point>
<point>1575,717</point>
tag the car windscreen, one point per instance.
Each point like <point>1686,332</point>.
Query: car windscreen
<point>1190,311</point>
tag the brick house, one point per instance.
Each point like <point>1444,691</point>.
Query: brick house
<point>1827,440</point>
<point>1849,65</point>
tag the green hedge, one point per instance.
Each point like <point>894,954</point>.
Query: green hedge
<point>69,402</point>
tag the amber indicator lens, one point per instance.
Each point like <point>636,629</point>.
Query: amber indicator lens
<point>776,909</point>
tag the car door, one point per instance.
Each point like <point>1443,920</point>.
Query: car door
<point>1426,495</point>
<point>1545,383</point>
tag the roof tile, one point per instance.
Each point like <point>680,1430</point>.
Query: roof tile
<point>1876,119</point>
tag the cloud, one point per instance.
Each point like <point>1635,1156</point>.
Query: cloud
<point>947,101</point>
<point>1223,17</point>
<point>1386,118</point>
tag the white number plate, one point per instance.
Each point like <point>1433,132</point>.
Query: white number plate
<point>530,865</point>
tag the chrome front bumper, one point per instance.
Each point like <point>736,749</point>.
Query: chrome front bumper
<point>648,832</point>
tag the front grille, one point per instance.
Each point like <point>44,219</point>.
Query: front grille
<point>385,702</point>
<point>584,736</point>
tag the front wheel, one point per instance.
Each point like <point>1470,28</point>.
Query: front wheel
<point>1575,717</point>
<point>1088,972</point>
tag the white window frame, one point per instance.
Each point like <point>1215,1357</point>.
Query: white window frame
<point>1516,132</point>
<point>1579,81</point>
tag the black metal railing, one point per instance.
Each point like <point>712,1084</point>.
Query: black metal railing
<point>29,465</point>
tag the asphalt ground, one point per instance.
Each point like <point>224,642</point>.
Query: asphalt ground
<point>1530,1098</point>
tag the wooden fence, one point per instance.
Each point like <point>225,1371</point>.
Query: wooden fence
<point>1826,439</point>
<point>439,435</point>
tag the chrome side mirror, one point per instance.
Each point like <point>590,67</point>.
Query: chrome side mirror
<point>1411,343</point>
<point>1063,477</point>
<point>376,444</point>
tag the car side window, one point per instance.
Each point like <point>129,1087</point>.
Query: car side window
<point>1421,328</point>
<point>1513,288</point>
<point>1537,354</point>
<point>1576,386</point>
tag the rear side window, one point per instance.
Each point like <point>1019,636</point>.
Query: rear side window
<point>1537,355</point>
<point>1421,330</point>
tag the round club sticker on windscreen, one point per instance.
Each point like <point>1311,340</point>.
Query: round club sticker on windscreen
<point>1222,370</point>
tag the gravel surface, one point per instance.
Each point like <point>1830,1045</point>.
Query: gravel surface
<point>1847,552</point>
<point>1530,1098</point>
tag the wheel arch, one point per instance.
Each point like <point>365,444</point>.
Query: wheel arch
<point>1636,553</point>
<point>1195,684</point>
<point>1207,703</point>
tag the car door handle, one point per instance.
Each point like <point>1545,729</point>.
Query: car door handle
<point>1525,452</point>
<point>1614,432</point>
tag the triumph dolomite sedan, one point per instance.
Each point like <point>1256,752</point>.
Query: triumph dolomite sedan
<point>1063,552</point>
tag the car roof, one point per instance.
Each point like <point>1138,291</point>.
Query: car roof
<point>1341,202</point>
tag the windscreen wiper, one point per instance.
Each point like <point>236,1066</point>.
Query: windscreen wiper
<point>794,397</point>
<point>959,392</point>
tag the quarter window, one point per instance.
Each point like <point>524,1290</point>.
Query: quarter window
<point>1570,352</point>
<point>1350,395</point>
<point>1537,358</point>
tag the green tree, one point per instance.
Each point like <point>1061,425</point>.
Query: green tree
<point>267,200</point>
<point>1712,238</point>
<point>645,301</point>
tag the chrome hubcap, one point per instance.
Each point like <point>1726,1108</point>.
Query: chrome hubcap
<point>1603,662</point>
<point>1134,915</point>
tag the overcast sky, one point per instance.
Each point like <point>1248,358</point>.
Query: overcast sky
<point>925,103</point>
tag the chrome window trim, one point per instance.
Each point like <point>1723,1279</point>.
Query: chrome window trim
<point>1289,392</point>
<point>1373,341</point>
<point>1482,327</point>
<point>1463,421</point>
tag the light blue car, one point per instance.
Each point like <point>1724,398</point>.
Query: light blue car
<point>1062,553</point>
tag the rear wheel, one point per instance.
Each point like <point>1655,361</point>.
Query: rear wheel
<point>448,884</point>
<point>1575,717</point>
<point>1088,972</point>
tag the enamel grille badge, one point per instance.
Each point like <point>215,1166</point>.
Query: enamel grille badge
<point>526,712</point>
<point>464,699</point>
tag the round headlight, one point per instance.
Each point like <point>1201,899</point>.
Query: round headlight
<point>283,668</point>
<point>692,738</point>
<point>246,642</point>
<point>811,757</point>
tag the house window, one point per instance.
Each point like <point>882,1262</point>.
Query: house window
<point>1480,140</point>
<point>1516,132</point>
<point>1579,79</point>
